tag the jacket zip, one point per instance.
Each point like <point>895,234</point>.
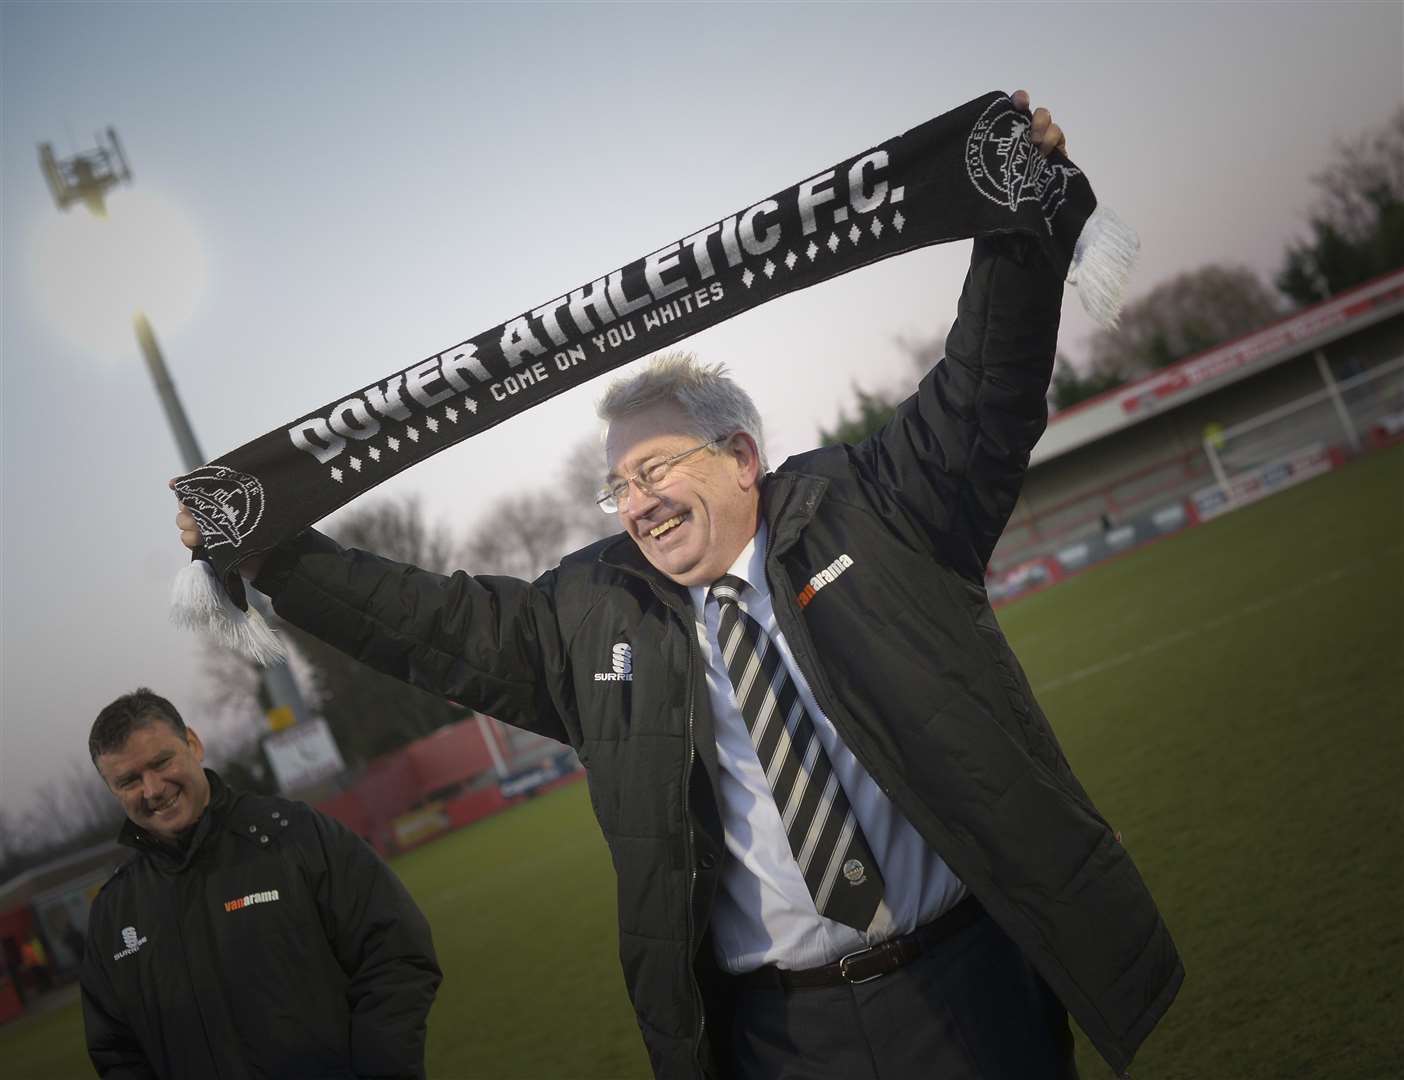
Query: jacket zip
<point>176,899</point>
<point>688,840</point>
<point>692,862</point>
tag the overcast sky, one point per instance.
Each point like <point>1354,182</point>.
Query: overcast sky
<point>324,193</point>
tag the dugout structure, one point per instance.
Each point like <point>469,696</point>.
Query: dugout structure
<point>49,904</point>
<point>1208,434</point>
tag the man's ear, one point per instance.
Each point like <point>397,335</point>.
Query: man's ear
<point>744,451</point>
<point>197,748</point>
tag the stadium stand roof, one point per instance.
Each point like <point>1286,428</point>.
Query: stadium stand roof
<point>1206,372</point>
<point>21,889</point>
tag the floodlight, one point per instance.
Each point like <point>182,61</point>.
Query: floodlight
<point>85,177</point>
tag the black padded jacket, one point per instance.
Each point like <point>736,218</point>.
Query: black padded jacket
<point>276,945</point>
<point>901,649</point>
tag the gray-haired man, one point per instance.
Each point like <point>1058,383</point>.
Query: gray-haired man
<point>847,842</point>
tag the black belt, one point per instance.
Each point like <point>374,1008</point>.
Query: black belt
<point>870,963</point>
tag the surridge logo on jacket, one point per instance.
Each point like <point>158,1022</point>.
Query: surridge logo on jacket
<point>824,577</point>
<point>267,896</point>
<point>621,664</point>
<point>131,941</point>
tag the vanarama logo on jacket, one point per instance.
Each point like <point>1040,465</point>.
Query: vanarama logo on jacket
<point>267,896</point>
<point>824,577</point>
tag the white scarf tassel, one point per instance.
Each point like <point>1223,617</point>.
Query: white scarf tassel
<point>1101,264</point>
<point>199,602</point>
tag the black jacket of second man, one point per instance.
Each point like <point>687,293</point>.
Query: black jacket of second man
<point>276,944</point>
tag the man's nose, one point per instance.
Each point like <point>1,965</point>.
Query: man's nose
<point>640,499</point>
<point>150,785</point>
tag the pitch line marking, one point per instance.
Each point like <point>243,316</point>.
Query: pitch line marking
<point>1212,624</point>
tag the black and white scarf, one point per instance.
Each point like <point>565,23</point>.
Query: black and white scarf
<point>970,172</point>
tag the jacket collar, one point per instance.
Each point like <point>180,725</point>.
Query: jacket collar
<point>788,503</point>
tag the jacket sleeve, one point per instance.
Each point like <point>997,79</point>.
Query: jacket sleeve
<point>491,643</point>
<point>382,941</point>
<point>112,1045</point>
<point>953,456</point>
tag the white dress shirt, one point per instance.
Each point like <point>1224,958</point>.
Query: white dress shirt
<point>764,913</point>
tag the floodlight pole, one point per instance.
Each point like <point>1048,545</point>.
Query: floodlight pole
<point>277,678</point>
<point>190,453</point>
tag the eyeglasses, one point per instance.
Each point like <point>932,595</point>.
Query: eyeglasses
<point>616,496</point>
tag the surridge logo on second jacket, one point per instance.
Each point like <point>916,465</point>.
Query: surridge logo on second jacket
<point>621,658</point>
<point>131,941</point>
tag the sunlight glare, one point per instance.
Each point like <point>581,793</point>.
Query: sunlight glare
<point>91,274</point>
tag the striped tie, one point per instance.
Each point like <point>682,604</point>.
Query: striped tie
<point>840,871</point>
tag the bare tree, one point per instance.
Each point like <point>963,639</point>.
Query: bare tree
<point>71,811</point>
<point>1185,315</point>
<point>521,535</point>
<point>924,351</point>
<point>873,408</point>
<point>582,477</point>
<point>1357,224</point>
<point>232,694</point>
<point>1071,386</point>
<point>400,529</point>
<point>89,805</point>
<point>10,847</point>
<point>49,822</point>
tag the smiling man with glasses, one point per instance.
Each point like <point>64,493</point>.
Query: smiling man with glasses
<point>848,844</point>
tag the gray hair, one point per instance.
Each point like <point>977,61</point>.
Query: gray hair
<point>712,401</point>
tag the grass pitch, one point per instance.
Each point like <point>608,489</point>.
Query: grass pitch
<point>1234,700</point>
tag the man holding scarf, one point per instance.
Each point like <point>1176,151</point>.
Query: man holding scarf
<point>847,841</point>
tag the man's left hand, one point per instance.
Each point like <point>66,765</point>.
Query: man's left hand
<point>1046,135</point>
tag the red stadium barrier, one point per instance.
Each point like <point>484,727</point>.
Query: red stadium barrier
<point>448,757</point>
<point>347,808</point>
<point>473,806</point>
<point>10,1004</point>
<point>383,804</point>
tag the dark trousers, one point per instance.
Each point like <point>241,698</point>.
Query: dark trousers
<point>968,1008</point>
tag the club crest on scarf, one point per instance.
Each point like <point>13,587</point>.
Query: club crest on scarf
<point>1005,167</point>
<point>228,504</point>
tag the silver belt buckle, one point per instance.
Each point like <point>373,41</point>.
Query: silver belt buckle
<point>843,967</point>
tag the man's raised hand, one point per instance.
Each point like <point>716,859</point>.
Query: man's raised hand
<point>1046,135</point>
<point>192,538</point>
